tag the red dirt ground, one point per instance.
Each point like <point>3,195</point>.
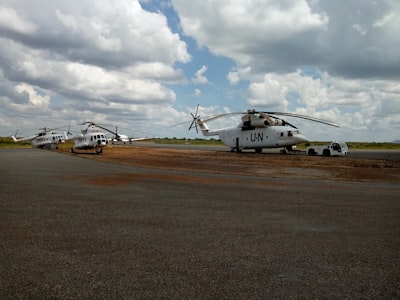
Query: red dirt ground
<point>250,164</point>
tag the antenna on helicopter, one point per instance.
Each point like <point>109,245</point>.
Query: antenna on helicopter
<point>195,118</point>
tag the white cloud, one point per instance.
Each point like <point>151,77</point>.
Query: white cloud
<point>11,20</point>
<point>34,98</point>
<point>238,30</point>
<point>200,78</point>
<point>352,47</point>
<point>384,20</point>
<point>97,60</point>
<point>359,29</point>
<point>274,36</point>
<point>68,21</point>
<point>269,93</point>
<point>365,103</point>
<point>114,61</point>
<point>233,78</point>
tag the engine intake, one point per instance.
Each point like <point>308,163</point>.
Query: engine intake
<point>259,123</point>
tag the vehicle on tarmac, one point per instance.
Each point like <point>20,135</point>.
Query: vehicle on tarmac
<point>332,149</point>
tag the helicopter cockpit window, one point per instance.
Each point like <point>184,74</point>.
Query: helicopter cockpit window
<point>290,133</point>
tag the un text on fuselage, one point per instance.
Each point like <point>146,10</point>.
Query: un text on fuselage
<point>256,137</point>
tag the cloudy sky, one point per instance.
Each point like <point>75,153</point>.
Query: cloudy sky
<point>145,65</point>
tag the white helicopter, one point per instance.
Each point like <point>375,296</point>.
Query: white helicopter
<point>91,137</point>
<point>47,139</point>
<point>257,130</point>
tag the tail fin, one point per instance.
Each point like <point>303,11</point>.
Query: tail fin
<point>203,127</point>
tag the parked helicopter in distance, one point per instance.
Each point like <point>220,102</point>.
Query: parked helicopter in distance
<point>46,139</point>
<point>91,137</point>
<point>257,130</point>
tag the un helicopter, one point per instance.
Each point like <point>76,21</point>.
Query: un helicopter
<point>92,137</point>
<point>257,130</point>
<point>46,139</point>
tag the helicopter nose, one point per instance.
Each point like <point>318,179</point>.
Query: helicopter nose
<point>301,138</point>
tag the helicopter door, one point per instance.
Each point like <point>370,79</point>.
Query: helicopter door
<point>238,146</point>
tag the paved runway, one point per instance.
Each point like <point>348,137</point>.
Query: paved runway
<point>391,155</point>
<point>72,228</point>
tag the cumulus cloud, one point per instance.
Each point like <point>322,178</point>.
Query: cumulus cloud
<point>274,36</point>
<point>102,52</point>
<point>256,33</point>
<point>34,98</point>
<point>352,49</point>
<point>233,78</point>
<point>200,78</point>
<point>11,21</point>
<point>364,103</point>
<point>122,61</point>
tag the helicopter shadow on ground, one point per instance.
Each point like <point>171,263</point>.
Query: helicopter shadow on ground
<point>84,153</point>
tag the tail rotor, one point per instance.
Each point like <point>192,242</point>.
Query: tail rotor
<point>69,130</point>
<point>195,117</point>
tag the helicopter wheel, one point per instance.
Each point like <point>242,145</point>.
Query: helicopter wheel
<point>283,151</point>
<point>71,150</point>
<point>258,150</point>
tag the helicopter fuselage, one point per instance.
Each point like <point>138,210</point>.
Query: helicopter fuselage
<point>47,140</point>
<point>239,138</point>
<point>270,137</point>
<point>89,141</point>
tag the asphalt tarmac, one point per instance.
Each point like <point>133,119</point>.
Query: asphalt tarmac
<point>74,228</point>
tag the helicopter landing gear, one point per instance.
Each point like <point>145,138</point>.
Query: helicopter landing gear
<point>71,150</point>
<point>290,149</point>
<point>237,150</point>
<point>99,150</point>
<point>258,150</point>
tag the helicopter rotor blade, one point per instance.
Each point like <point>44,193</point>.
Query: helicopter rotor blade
<point>195,117</point>
<point>212,118</point>
<point>271,114</point>
<point>284,122</point>
<point>304,117</point>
